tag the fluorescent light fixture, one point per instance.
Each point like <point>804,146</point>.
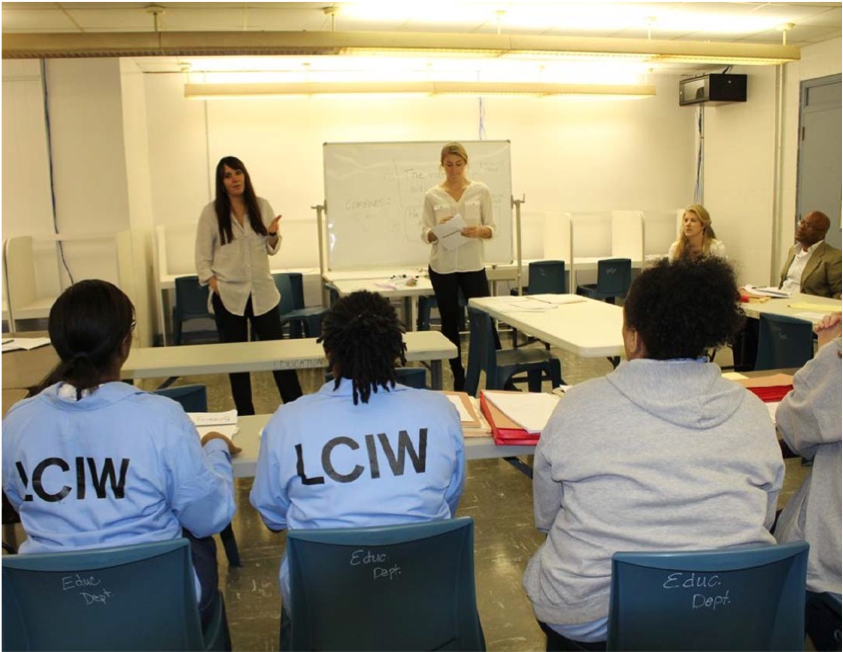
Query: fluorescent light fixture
<point>250,91</point>
<point>422,44</point>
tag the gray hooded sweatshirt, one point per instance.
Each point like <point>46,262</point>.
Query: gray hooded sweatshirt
<point>655,456</point>
<point>809,419</point>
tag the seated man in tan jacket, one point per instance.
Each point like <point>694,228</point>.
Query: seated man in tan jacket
<point>813,267</point>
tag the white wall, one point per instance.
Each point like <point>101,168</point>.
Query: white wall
<point>739,159</point>
<point>566,154</point>
<point>27,208</point>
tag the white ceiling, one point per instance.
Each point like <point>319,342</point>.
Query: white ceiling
<point>746,22</point>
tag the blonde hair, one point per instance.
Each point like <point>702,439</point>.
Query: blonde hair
<point>453,149</point>
<point>708,231</point>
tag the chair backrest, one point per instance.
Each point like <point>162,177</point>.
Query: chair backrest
<point>191,299</point>
<point>614,275</point>
<point>402,587</point>
<point>291,288</point>
<point>547,277</point>
<point>193,398</point>
<point>783,342</point>
<point>132,598</point>
<point>750,598</point>
<point>481,349</point>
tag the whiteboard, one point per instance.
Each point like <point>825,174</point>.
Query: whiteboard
<point>374,196</point>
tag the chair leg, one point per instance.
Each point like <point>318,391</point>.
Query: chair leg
<point>555,372</point>
<point>229,543</point>
<point>534,380</point>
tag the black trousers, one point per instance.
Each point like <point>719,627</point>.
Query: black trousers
<point>203,553</point>
<point>558,643</point>
<point>446,287</point>
<point>233,328</point>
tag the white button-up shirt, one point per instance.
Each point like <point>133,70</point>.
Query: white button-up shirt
<point>793,280</point>
<point>241,265</point>
<point>475,206</point>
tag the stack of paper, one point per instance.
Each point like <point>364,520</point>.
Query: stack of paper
<point>529,410</point>
<point>222,422</point>
<point>24,343</point>
<point>773,292</point>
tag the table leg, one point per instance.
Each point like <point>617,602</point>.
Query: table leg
<point>436,374</point>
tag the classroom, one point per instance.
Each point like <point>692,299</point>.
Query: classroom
<point>116,114</point>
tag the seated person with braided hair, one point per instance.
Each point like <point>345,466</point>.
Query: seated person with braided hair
<point>363,450</point>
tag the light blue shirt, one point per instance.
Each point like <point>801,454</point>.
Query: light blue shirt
<point>327,463</point>
<point>118,467</point>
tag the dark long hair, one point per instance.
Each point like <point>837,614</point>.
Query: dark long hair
<point>222,203</point>
<point>88,324</point>
<point>682,308</point>
<point>363,338</point>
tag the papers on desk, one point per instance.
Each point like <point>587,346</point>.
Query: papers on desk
<point>24,343</point>
<point>820,309</point>
<point>557,299</point>
<point>449,233</point>
<point>529,410</point>
<point>222,422</point>
<point>768,291</point>
<point>395,282</point>
<point>534,302</point>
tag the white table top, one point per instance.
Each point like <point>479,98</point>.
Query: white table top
<point>783,307</point>
<point>156,362</point>
<point>248,438</point>
<point>382,286</point>
<point>589,328</point>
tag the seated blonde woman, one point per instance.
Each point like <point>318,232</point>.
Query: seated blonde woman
<point>697,239</point>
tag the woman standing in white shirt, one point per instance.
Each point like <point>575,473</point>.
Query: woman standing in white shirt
<point>697,239</point>
<point>235,237</point>
<point>462,268</point>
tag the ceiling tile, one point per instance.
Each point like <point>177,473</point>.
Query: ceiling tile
<point>42,19</point>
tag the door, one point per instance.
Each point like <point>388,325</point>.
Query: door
<point>819,169</point>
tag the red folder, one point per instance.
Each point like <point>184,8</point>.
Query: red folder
<point>504,430</point>
<point>771,394</point>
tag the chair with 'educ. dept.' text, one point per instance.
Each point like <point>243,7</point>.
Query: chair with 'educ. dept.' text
<point>401,587</point>
<point>112,599</point>
<point>746,598</point>
<point>192,305</point>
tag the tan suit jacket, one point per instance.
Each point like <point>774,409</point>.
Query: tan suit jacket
<point>822,272</point>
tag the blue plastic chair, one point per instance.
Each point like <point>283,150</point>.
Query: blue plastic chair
<point>130,598</point>
<point>425,305</point>
<point>822,620</point>
<point>783,342</point>
<point>402,587</point>
<point>192,305</point>
<point>613,278</point>
<point>409,376</point>
<point>194,398</point>
<point>750,598</point>
<point>303,322</point>
<point>501,366</point>
<point>545,277</point>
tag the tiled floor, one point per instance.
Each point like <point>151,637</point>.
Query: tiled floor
<point>497,496</point>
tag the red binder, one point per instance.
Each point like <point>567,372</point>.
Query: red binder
<point>504,430</point>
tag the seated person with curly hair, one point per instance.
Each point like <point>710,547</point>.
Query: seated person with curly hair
<point>661,454</point>
<point>321,466</point>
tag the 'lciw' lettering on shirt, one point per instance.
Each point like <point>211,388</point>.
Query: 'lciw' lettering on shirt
<point>84,467</point>
<point>396,459</point>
